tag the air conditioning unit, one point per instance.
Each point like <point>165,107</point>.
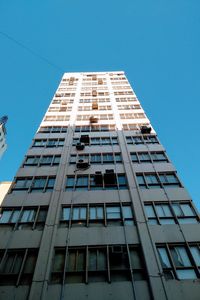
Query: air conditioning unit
<point>94,93</point>
<point>145,129</point>
<point>93,119</point>
<point>82,164</point>
<point>94,105</point>
<point>80,146</point>
<point>100,81</point>
<point>85,139</point>
<point>110,177</point>
<point>98,177</point>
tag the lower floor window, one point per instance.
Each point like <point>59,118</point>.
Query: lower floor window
<point>17,266</point>
<point>93,264</point>
<point>180,261</point>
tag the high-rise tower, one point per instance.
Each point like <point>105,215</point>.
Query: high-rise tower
<point>96,210</point>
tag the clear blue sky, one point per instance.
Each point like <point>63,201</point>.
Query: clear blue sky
<point>156,42</point>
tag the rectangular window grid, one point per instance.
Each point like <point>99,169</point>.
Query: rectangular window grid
<point>97,215</point>
<point>89,264</point>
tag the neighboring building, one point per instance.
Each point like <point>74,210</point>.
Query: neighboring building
<point>4,188</point>
<point>3,145</point>
<point>96,210</point>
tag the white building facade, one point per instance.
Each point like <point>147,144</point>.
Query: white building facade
<point>96,210</point>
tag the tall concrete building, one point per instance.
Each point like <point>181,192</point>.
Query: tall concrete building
<point>96,210</point>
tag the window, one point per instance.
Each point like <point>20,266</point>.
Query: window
<point>148,157</point>
<point>179,261</point>
<point>80,182</point>
<point>171,213</point>
<point>33,184</point>
<point>97,264</point>
<point>24,218</point>
<point>53,129</point>
<point>46,160</point>
<point>97,215</point>
<point>48,143</point>
<point>95,128</point>
<point>160,180</point>
<point>139,139</point>
<point>17,266</point>
<point>100,158</point>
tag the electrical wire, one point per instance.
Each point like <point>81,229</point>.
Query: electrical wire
<point>34,53</point>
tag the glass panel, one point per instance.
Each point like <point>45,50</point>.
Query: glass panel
<point>144,157</point>
<point>164,258</point>
<point>52,143</point>
<point>15,216</point>
<point>196,254</point>
<point>5,216</point>
<point>163,210</point>
<point>187,220</point>
<point>105,141</point>
<point>42,215</point>
<point>129,140</point>
<point>186,274</point>
<point>95,141</point>
<point>113,212</point>
<point>83,213</point>
<point>46,159</point>
<point>51,182</point>
<point>95,158</point>
<point>108,157</point>
<point>96,213</point>
<point>31,160</point>
<point>122,180</point>
<point>30,263</point>
<point>56,160</point>
<point>23,183</point>
<point>134,157</point>
<point>59,261</point>
<point>27,216</point>
<point>187,210</point>
<point>150,211</point>
<point>177,210</point>
<point>70,182</point>
<point>75,214</point>
<point>73,159</point>
<point>167,221</point>
<point>118,157</point>
<point>127,212</point>
<point>92,266</point>
<point>140,179</point>
<point>151,179</point>
<point>114,141</point>
<point>135,259</point>
<point>82,181</point>
<point>180,256</point>
<point>66,213</point>
<point>80,260</point>
<point>39,182</point>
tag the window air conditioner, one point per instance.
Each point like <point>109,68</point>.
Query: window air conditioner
<point>110,177</point>
<point>85,139</point>
<point>82,164</point>
<point>98,177</point>
<point>94,105</point>
<point>93,119</point>
<point>80,146</point>
<point>145,129</point>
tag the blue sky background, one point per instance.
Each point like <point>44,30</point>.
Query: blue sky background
<point>156,42</point>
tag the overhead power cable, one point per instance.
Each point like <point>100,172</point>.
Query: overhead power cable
<point>34,53</point>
